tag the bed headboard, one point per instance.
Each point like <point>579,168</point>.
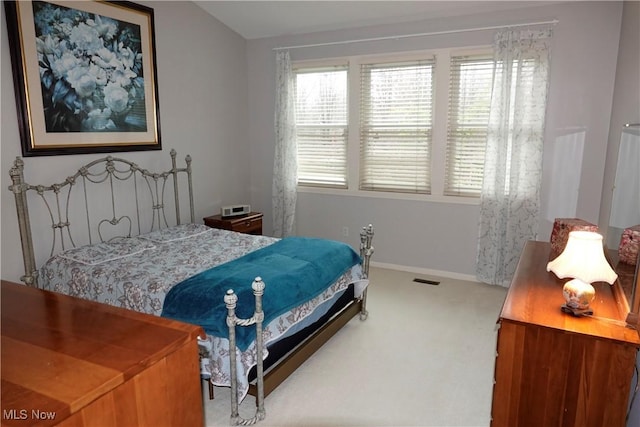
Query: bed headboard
<point>105,199</point>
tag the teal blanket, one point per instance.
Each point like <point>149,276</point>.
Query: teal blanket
<point>294,270</point>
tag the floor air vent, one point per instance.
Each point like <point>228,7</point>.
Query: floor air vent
<point>428,282</point>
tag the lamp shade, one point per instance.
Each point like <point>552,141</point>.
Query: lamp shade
<point>583,258</point>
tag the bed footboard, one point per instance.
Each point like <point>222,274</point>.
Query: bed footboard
<point>230,300</point>
<point>366,251</point>
<point>297,357</point>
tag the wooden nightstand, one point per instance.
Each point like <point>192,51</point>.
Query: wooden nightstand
<point>250,223</point>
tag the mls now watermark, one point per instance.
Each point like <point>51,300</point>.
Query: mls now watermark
<point>26,414</point>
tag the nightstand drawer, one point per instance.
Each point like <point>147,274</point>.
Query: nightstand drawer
<point>249,224</point>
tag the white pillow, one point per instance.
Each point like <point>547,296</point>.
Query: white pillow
<point>178,232</point>
<point>100,253</point>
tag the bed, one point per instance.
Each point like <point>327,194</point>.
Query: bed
<point>116,234</point>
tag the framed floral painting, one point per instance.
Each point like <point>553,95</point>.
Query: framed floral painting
<point>84,76</point>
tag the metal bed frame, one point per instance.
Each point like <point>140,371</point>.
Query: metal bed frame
<point>151,188</point>
<point>106,172</point>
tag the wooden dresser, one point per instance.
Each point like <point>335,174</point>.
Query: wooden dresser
<point>553,369</point>
<point>71,362</point>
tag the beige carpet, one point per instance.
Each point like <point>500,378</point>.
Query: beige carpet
<point>424,357</point>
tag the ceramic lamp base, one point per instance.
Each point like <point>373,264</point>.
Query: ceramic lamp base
<point>578,312</point>
<point>578,295</point>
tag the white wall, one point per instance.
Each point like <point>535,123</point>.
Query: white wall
<point>437,236</point>
<point>216,95</point>
<point>203,110</point>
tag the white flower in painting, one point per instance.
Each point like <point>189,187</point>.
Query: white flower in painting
<point>85,38</point>
<point>63,29</point>
<point>116,98</point>
<point>50,45</point>
<point>62,65</point>
<point>106,28</point>
<point>99,120</point>
<point>105,58</point>
<point>126,55</point>
<point>123,77</point>
<point>82,80</point>
<point>100,74</point>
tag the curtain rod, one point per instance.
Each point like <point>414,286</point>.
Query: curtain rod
<point>435,33</point>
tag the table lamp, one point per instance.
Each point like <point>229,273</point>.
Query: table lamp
<point>582,260</point>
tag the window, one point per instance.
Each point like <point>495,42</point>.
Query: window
<point>321,127</point>
<point>395,126</point>
<point>470,85</point>
<point>418,122</point>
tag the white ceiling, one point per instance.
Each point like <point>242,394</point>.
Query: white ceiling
<point>260,19</point>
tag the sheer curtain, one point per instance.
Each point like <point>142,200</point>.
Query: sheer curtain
<point>285,163</point>
<point>510,199</point>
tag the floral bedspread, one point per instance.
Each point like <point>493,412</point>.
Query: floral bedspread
<point>136,273</point>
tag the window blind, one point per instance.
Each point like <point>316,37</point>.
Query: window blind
<point>321,127</point>
<point>396,114</point>
<point>471,79</point>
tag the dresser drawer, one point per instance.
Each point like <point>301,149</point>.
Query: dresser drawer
<point>249,224</point>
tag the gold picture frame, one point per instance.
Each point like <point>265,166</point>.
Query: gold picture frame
<point>84,75</point>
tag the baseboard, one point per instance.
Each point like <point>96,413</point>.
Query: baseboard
<point>425,271</point>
